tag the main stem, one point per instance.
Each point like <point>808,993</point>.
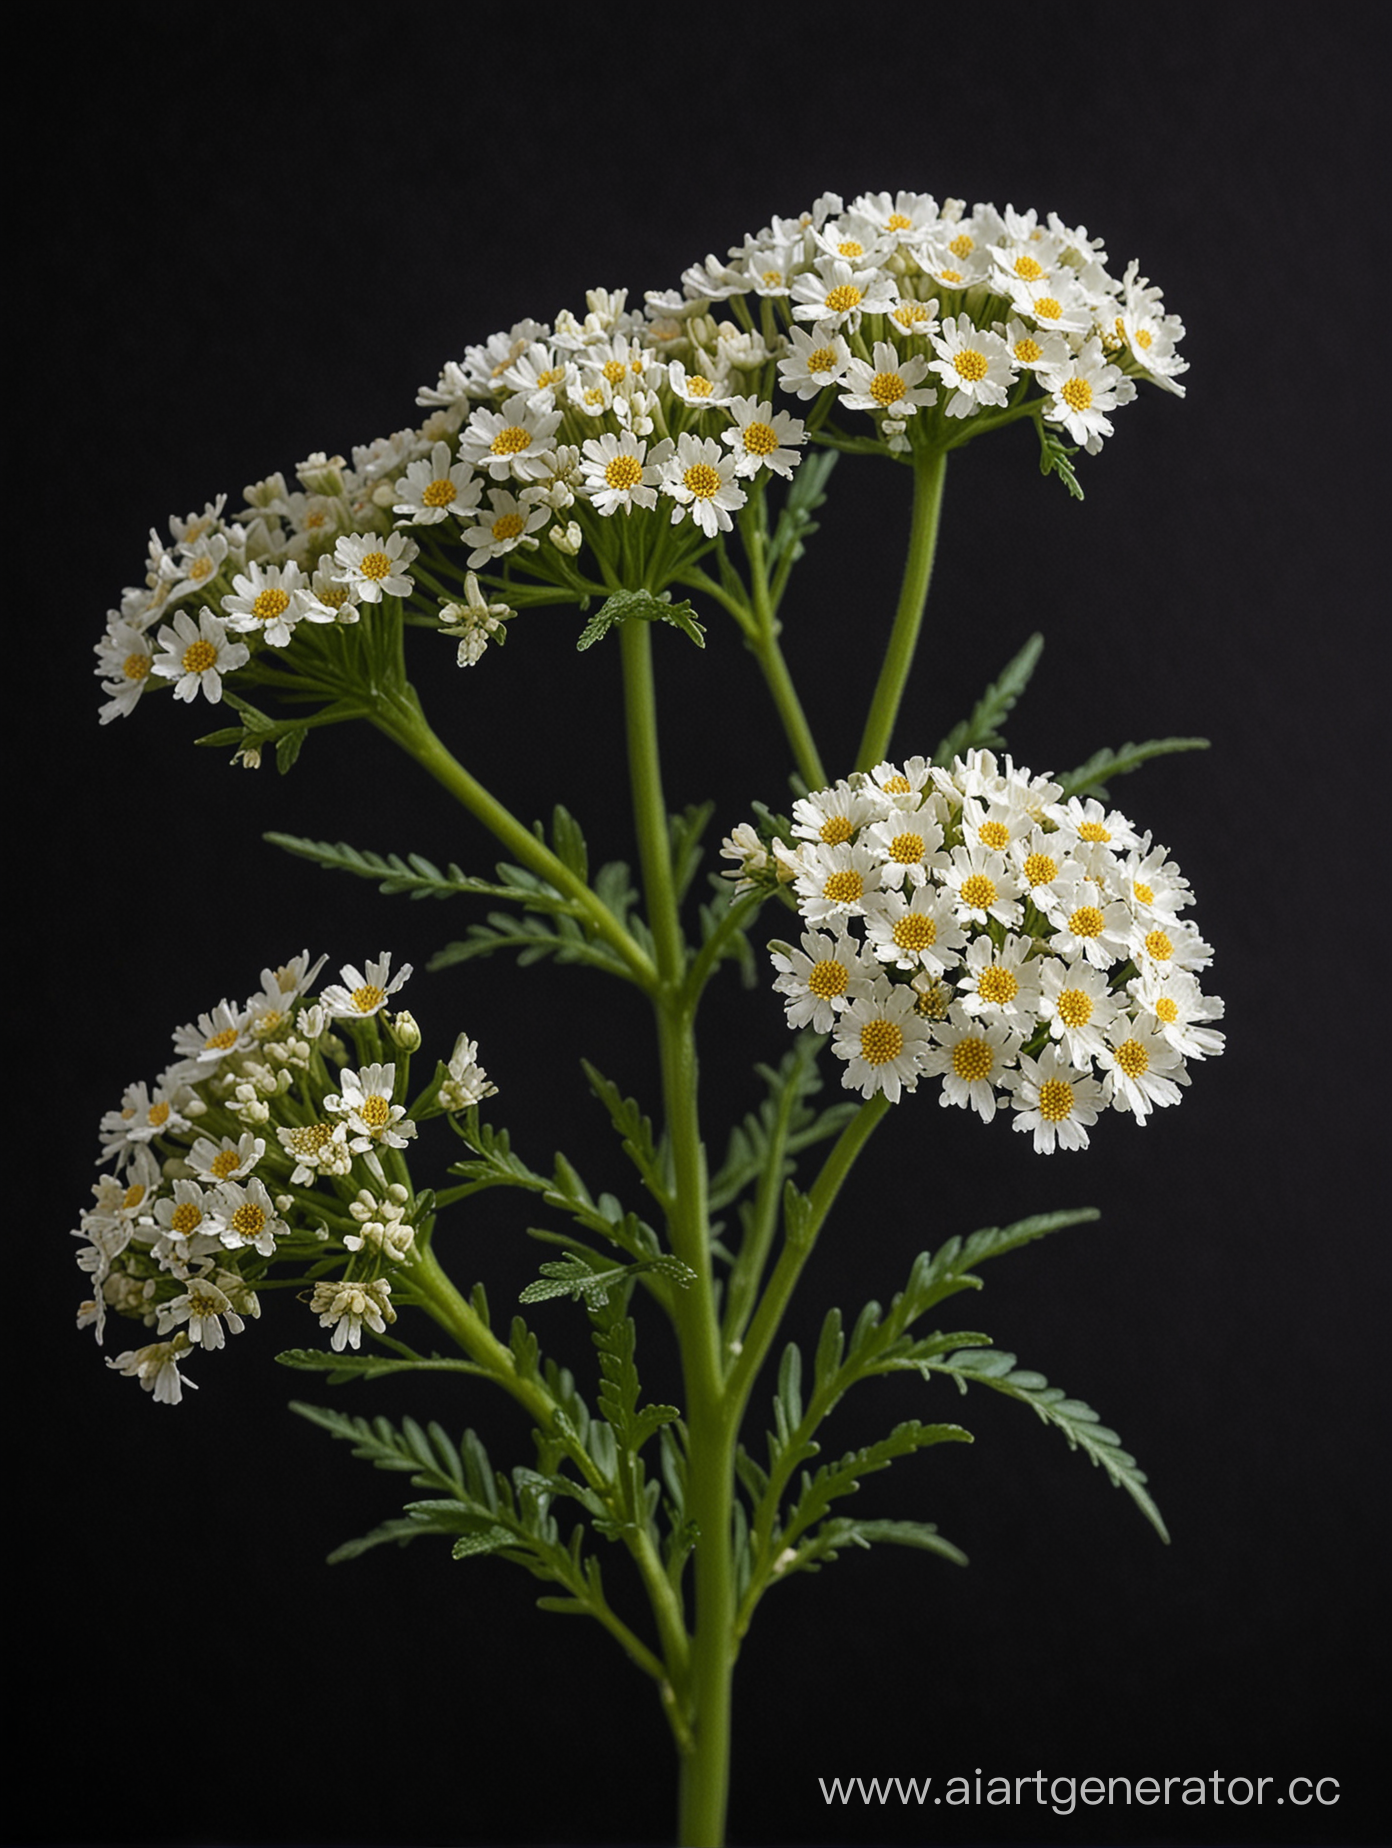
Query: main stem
<point>930,467</point>
<point>705,1767</point>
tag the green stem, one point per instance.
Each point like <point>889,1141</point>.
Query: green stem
<point>705,1765</point>
<point>797,1250</point>
<point>929,468</point>
<point>764,641</point>
<point>402,720</point>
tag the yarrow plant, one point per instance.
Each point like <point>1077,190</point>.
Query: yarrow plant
<point>1010,938</point>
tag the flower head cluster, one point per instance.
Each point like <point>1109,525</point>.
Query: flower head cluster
<point>969,923</point>
<point>929,320</point>
<point>266,1144</point>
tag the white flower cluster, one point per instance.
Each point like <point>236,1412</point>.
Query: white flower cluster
<point>249,1151</point>
<point>931,320</point>
<point>968,923</point>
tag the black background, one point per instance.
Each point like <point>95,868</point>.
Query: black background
<point>248,236</point>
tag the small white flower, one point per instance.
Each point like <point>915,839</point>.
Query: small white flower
<point>1055,1100</point>
<point>433,488</point>
<point>197,655</point>
<point>475,622</point>
<point>700,478</point>
<point>365,1104</point>
<point>373,567</point>
<point>883,1040</point>
<point>348,1305</point>
<point>468,1083</point>
<point>358,995</point>
<point>760,439</point>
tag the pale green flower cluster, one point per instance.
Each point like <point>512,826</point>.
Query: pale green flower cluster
<point>893,324</point>
<point>273,1142</point>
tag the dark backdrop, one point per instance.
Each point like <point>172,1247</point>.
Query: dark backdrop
<point>248,236</point>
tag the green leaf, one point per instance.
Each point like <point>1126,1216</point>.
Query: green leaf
<point>1078,1422</point>
<point>1091,778</point>
<point>795,522</point>
<point>340,1368</point>
<point>1056,458</point>
<point>834,1535</point>
<point>981,732</point>
<point>643,606</point>
<point>635,1131</point>
<point>572,1276</point>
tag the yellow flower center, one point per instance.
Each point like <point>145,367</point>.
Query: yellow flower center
<point>897,222</point>
<point>201,567</point>
<point>132,1197</point>
<point>272,602</point>
<point>552,376</point>
<point>1055,1099</point>
<point>1040,868</point>
<point>614,372</point>
<point>1094,831</point>
<point>184,1218</point>
<point>997,986</point>
<point>225,1162</point>
<point>880,1041</point>
<point>759,439</point>
<point>910,315</point>
<point>508,526</point>
<point>440,493</point>
<point>962,245</point>
<point>1167,1009</point>
<point>887,388</point>
<point>368,998</point>
<point>994,834</point>
<point>1076,394</point>
<point>950,275</point>
<point>1144,337</point>
<point>334,598</point>
<point>375,565</point>
<point>157,1116</point>
<point>1132,1057</point>
<point>1027,351</point>
<point>843,298</point>
<point>772,279</point>
<point>1074,1008</point>
<point>698,387</point>
<point>310,1138</point>
<point>835,829</point>
<point>978,892</point>
<point>1028,270</point>
<point>375,1111</point>
<point>623,473</point>
<point>136,666</point>
<point>1145,894</point>
<point>970,365</point>
<point>249,1221</point>
<point>512,439</point>
<point>973,1060</point>
<point>897,785</point>
<point>849,247</point>
<point>702,481</point>
<point>1159,946</point>
<point>914,932</point>
<point>821,359</point>
<point>1047,308</point>
<point>826,979</point>
<point>1086,921</point>
<point>844,888</point>
<point>907,849</point>
<point>199,656</point>
<point>222,1041</point>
